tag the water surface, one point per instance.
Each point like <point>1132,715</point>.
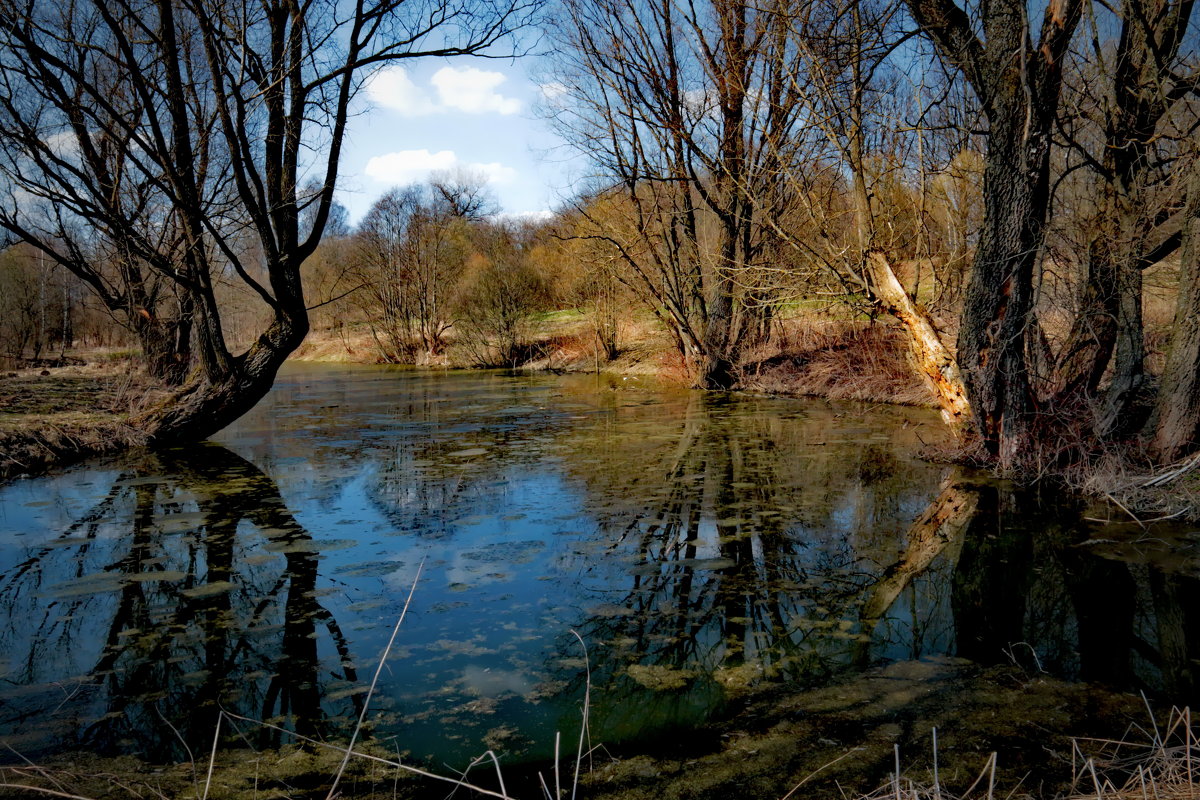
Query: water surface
<point>699,546</point>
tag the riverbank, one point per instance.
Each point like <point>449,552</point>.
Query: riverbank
<point>53,416</point>
<point>985,733</point>
<point>817,356</point>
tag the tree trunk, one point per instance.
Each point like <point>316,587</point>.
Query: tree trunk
<point>204,407</point>
<point>996,312</point>
<point>1018,83</point>
<point>1084,356</point>
<point>927,353</point>
<point>1176,417</point>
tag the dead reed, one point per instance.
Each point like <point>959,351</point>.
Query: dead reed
<point>1155,764</point>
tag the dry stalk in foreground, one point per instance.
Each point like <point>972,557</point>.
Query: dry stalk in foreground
<point>1164,768</point>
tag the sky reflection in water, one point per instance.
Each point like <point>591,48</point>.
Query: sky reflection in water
<point>700,546</point>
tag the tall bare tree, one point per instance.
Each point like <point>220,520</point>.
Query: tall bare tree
<point>685,110</point>
<point>182,131</point>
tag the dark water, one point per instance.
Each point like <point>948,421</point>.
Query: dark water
<point>700,546</point>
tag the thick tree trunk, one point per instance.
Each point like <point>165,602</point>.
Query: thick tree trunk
<point>996,313</point>
<point>927,353</point>
<point>1176,417</point>
<point>1018,82</point>
<point>204,407</point>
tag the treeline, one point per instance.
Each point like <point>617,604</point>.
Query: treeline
<point>432,263</point>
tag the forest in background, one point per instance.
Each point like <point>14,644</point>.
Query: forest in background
<point>1010,191</point>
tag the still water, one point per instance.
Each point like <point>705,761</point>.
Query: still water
<point>700,547</point>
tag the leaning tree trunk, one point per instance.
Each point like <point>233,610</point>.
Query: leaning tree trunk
<point>204,407</point>
<point>928,355</point>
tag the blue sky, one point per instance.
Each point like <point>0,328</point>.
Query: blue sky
<point>420,116</point>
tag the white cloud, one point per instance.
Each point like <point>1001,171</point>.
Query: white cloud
<point>473,91</point>
<point>468,90</point>
<point>392,88</point>
<point>552,90</point>
<point>529,216</point>
<point>62,144</point>
<point>411,166</point>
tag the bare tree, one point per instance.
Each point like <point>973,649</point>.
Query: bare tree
<point>1129,113</point>
<point>685,110</point>
<point>182,133</point>
<point>410,253</point>
<point>464,193</point>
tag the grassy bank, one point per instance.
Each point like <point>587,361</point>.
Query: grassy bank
<point>52,416</point>
<point>807,355</point>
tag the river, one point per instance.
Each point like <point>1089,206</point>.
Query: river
<point>669,552</point>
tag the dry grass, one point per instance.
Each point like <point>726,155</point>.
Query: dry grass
<point>1159,764</point>
<point>904,787</point>
<point>1138,490</point>
<point>55,416</point>
<point>838,359</point>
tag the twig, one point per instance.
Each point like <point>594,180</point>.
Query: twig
<point>362,715</point>
<point>587,699</point>
<point>810,775</point>
<point>1174,472</point>
<point>1121,506</point>
<point>179,736</point>
<point>212,758</point>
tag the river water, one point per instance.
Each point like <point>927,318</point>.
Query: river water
<point>670,552</point>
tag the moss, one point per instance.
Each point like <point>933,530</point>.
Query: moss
<point>840,740</point>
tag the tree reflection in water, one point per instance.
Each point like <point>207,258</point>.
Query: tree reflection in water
<point>754,563</point>
<point>189,585</point>
<point>749,568</point>
<point>704,546</point>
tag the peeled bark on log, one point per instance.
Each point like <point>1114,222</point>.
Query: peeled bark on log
<point>927,353</point>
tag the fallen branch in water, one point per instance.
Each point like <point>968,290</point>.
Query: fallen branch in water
<point>1174,472</point>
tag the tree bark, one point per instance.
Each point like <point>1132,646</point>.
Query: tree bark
<point>1018,86</point>
<point>927,353</point>
<point>205,407</point>
<point>1176,416</point>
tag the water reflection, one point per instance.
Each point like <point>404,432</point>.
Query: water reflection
<point>703,546</point>
<point>131,638</point>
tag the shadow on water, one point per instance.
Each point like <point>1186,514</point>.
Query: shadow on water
<point>160,624</point>
<point>710,550</point>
